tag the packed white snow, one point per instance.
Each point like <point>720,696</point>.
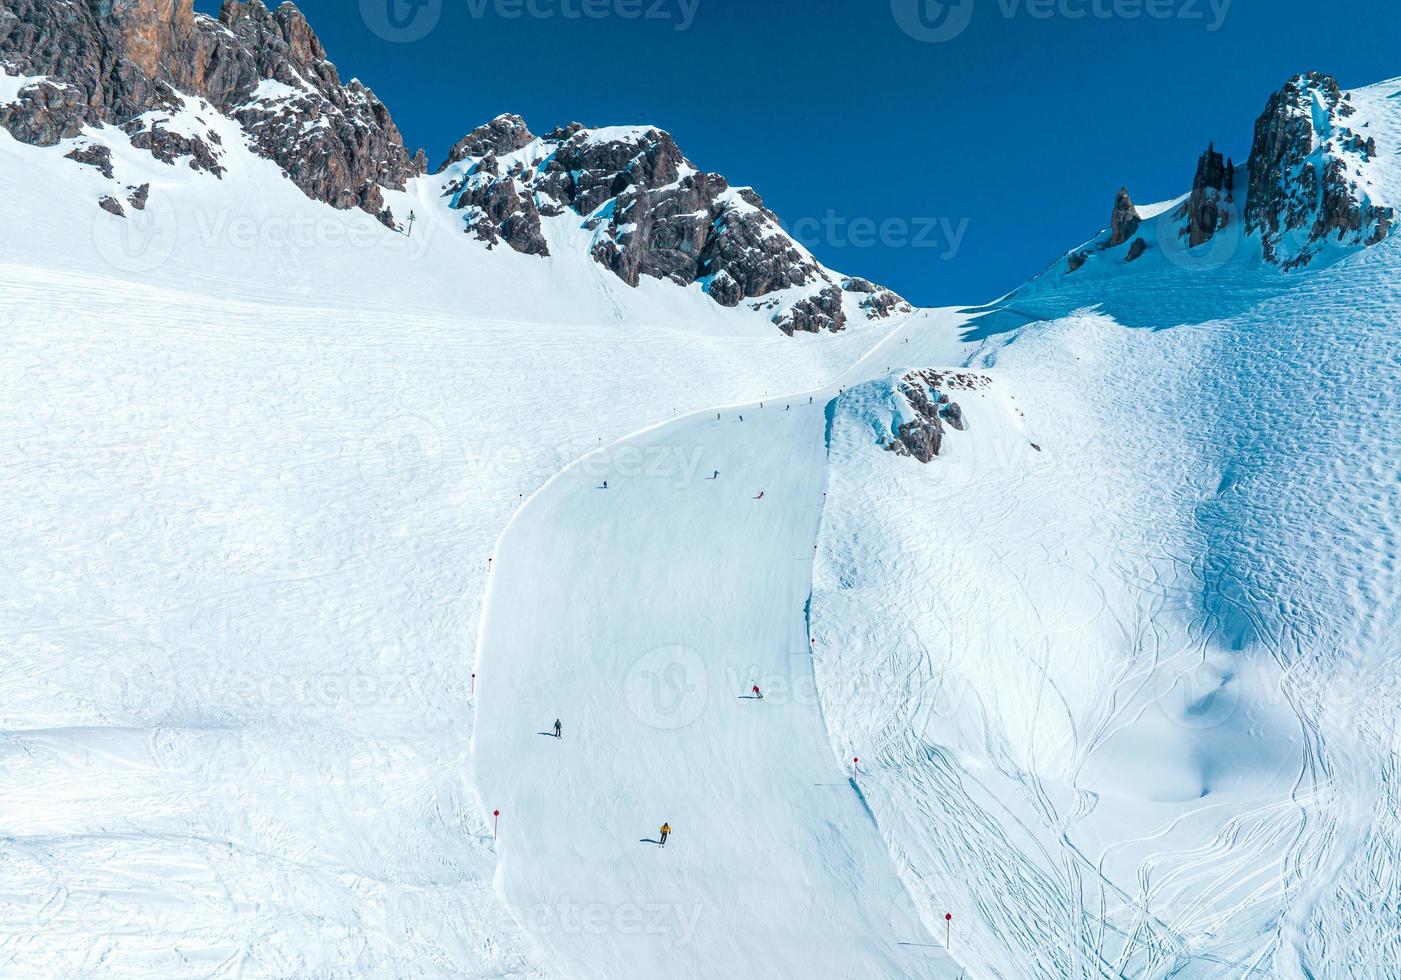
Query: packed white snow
<point>1119,665</point>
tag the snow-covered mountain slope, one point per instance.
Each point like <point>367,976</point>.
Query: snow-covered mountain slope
<point>1122,657</point>
<point>192,132</point>
<point>640,599</point>
<point>1113,638</point>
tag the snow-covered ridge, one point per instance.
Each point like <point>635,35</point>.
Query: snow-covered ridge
<point>651,213</point>
<point>647,211</point>
<point>1318,183</point>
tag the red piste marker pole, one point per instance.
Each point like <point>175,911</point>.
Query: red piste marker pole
<point>474,683</point>
<point>948,938</point>
<point>497,825</point>
<point>854,763</point>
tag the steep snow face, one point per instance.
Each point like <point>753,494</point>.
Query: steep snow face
<point>1122,656</point>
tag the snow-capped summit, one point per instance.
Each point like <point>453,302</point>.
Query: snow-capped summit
<point>159,73</point>
<point>1311,185</point>
<point>1310,175</point>
<point>652,213</point>
<point>132,63</point>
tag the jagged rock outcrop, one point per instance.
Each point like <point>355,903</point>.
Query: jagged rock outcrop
<point>113,61</point>
<point>922,436</point>
<point>814,314</point>
<point>504,134</point>
<point>1124,222</point>
<point>94,155</point>
<point>878,300</point>
<point>652,214</point>
<point>1212,188</point>
<point>1136,250</point>
<point>1308,175</point>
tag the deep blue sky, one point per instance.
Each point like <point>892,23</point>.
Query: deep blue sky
<point>1019,130</point>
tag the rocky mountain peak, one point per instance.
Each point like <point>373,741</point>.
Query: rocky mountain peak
<point>113,61</point>
<point>1309,175</point>
<point>652,213</point>
<point>1124,222</point>
<point>1213,187</point>
<point>507,133</point>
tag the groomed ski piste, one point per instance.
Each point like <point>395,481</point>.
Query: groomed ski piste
<point>641,598</point>
<point>1119,664</point>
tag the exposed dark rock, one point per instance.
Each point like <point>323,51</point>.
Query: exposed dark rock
<point>1076,261</point>
<point>814,314</point>
<point>94,155</point>
<point>1203,210</point>
<point>114,60</point>
<point>725,290</point>
<point>922,437</point>
<point>112,206</point>
<point>171,147</point>
<point>139,197</point>
<point>652,212</point>
<point>1124,222</point>
<point>1306,175</point>
<point>504,134</point>
<point>877,301</point>
<point>1136,250</point>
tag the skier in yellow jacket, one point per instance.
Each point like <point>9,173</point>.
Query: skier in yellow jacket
<point>666,832</point>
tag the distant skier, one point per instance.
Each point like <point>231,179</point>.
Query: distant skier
<point>559,729</point>
<point>666,832</point>
<point>757,693</point>
<point>761,495</point>
<point>716,476</point>
<point>605,484</point>
<point>741,418</point>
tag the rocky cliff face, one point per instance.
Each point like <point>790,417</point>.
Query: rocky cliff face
<point>652,214</point>
<point>1308,185</point>
<point>921,435</point>
<point>1124,221</point>
<point>127,62</point>
<point>158,71</point>
<point>1213,188</point>
<point>1308,175</point>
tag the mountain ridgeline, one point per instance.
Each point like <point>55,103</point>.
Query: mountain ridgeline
<point>151,71</point>
<point>151,67</point>
<point>1308,186</point>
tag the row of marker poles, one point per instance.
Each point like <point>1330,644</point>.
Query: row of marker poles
<point>949,916</point>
